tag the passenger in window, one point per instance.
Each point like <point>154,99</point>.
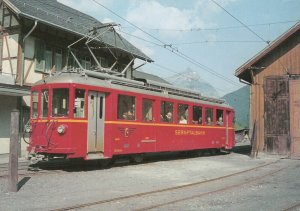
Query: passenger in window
<point>169,117</point>
<point>220,121</point>
<point>182,120</point>
<point>128,115</point>
<point>209,122</point>
<point>200,121</point>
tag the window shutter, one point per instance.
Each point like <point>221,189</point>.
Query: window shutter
<point>39,55</point>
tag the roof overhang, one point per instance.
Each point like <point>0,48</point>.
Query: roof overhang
<point>14,90</point>
<point>244,71</point>
<point>24,15</point>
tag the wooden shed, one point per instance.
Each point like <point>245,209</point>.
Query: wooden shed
<point>274,77</point>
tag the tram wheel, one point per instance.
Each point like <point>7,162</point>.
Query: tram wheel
<point>138,158</point>
<point>199,153</point>
<point>213,151</point>
<point>106,162</point>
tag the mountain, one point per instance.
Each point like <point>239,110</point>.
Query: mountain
<point>191,80</point>
<point>240,101</point>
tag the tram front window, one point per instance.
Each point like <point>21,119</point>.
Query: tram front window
<point>34,104</point>
<point>44,103</point>
<point>60,102</point>
<point>79,103</point>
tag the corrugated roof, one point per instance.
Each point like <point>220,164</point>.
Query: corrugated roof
<point>66,18</point>
<point>243,70</point>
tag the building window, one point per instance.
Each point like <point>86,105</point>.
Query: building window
<point>72,63</point>
<point>197,115</point>
<point>48,60</point>
<point>209,116</point>
<point>45,56</point>
<point>39,55</point>
<point>7,18</point>
<point>220,117</point>
<point>166,112</point>
<point>86,63</point>
<point>58,60</point>
<point>126,107</point>
<point>34,104</point>
<point>60,102</point>
<point>147,110</point>
<point>79,103</point>
<point>183,113</point>
<point>44,103</point>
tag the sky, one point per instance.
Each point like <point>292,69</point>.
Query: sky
<point>212,40</point>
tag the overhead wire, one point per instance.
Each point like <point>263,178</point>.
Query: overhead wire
<point>172,49</point>
<point>192,61</point>
<point>197,29</point>
<point>253,32</point>
<point>247,27</point>
<point>169,47</point>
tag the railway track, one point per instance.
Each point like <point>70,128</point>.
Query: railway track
<point>156,199</point>
<point>25,168</point>
<point>295,206</point>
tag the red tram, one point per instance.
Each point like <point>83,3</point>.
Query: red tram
<point>98,116</point>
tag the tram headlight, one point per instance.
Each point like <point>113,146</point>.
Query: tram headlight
<point>28,129</point>
<point>61,129</point>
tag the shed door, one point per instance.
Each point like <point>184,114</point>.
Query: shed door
<point>96,116</point>
<point>277,115</point>
<point>295,118</point>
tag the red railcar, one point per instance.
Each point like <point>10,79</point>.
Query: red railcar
<point>98,116</point>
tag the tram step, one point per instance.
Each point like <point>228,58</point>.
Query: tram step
<point>94,156</point>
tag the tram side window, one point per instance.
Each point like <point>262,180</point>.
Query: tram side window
<point>44,103</point>
<point>209,116</point>
<point>219,117</point>
<point>79,103</point>
<point>166,112</point>
<point>126,107</point>
<point>197,115</point>
<point>147,110</point>
<point>34,104</point>
<point>183,113</point>
<point>60,102</point>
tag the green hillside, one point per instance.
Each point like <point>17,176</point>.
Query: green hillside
<point>240,100</point>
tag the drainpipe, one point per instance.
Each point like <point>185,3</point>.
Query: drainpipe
<point>23,51</point>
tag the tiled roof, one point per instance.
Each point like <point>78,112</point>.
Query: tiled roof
<point>66,18</point>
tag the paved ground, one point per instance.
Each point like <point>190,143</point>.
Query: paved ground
<point>58,190</point>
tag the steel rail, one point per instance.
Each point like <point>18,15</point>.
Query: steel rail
<point>224,189</point>
<point>137,195</point>
<point>293,207</point>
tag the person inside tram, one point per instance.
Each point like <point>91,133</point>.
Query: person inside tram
<point>200,120</point>
<point>182,120</point>
<point>129,115</point>
<point>220,121</point>
<point>169,117</point>
<point>209,122</point>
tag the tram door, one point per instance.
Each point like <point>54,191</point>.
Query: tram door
<point>227,125</point>
<point>95,136</point>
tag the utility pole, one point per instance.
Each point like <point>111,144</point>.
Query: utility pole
<point>13,151</point>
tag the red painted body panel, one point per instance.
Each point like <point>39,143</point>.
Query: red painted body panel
<point>161,137</point>
<point>45,139</point>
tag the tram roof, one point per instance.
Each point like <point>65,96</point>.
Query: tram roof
<point>129,86</point>
<point>66,18</point>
